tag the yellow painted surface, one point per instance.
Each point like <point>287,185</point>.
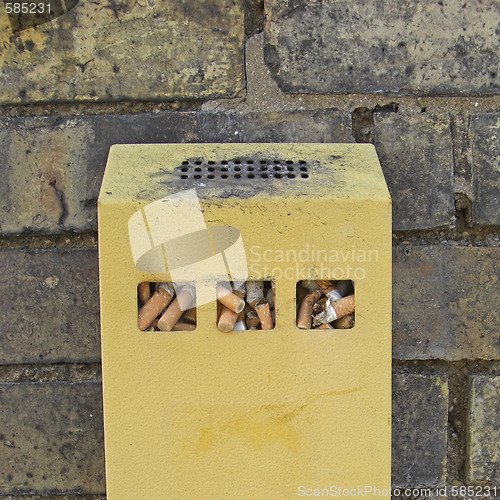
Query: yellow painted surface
<point>254,414</point>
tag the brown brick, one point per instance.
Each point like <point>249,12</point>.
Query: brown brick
<point>445,302</point>
<point>50,306</point>
<point>383,47</point>
<point>43,167</point>
<point>483,430</point>
<point>485,148</point>
<point>52,438</point>
<point>127,49</point>
<point>419,423</point>
<point>415,152</point>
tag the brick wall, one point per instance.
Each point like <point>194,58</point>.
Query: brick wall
<point>420,80</point>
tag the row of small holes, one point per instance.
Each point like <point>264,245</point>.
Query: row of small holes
<point>264,169</point>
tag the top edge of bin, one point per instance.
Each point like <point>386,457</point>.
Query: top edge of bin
<point>147,172</point>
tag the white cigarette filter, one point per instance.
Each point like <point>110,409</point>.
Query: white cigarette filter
<point>255,291</point>
<point>334,295</point>
<point>239,326</point>
<point>239,286</point>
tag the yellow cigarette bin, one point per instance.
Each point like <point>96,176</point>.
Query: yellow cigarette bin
<point>196,410</point>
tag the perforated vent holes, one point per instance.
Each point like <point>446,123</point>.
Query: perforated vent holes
<point>242,169</point>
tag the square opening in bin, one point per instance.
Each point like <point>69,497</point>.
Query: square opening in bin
<point>245,305</point>
<point>325,304</point>
<point>166,306</point>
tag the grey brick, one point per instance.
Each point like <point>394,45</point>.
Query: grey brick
<point>52,438</point>
<point>415,152</point>
<point>392,47</point>
<point>483,430</point>
<point>485,146</point>
<point>42,159</point>
<point>127,50</point>
<point>50,306</point>
<point>419,426</point>
<point>445,302</point>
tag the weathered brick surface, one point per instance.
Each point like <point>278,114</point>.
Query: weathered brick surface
<point>485,146</point>
<point>415,152</point>
<point>424,48</point>
<point>44,165</point>
<point>127,49</point>
<point>419,422</point>
<point>445,302</point>
<point>483,431</point>
<point>51,437</point>
<point>50,306</point>
<point>52,168</point>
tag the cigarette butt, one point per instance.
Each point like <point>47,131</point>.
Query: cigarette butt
<point>144,292</point>
<point>227,320</point>
<point>255,297</point>
<point>232,300</point>
<point>304,317</point>
<point>334,310</point>
<point>264,313</point>
<point>189,316</point>
<point>320,305</point>
<point>154,306</point>
<point>329,289</point>
<point>252,321</point>
<point>183,327</point>
<point>324,326</point>
<point>301,293</point>
<point>345,322</point>
<point>343,306</point>
<point>177,307</point>
<point>325,285</point>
